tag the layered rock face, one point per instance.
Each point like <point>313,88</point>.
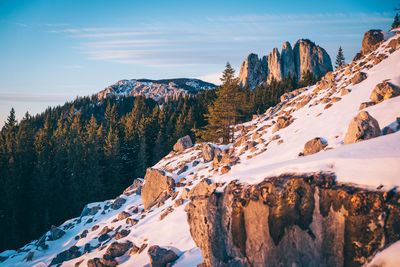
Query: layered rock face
<point>253,70</point>
<point>307,220</point>
<point>305,56</point>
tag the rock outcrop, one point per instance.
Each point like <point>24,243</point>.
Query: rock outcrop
<point>157,187</point>
<point>253,71</point>
<point>371,40</point>
<point>183,143</point>
<point>306,220</point>
<point>362,127</point>
<point>291,62</point>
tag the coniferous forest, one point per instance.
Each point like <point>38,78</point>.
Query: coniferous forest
<point>90,149</point>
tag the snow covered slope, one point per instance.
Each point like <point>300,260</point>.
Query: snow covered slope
<point>156,89</point>
<point>121,231</point>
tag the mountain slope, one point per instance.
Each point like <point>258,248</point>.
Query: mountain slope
<point>156,89</point>
<point>242,204</point>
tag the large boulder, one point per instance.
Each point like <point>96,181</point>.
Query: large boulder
<point>118,249</point>
<point>69,254</point>
<point>384,91</point>
<point>56,233</point>
<point>371,39</point>
<point>358,77</point>
<point>161,257</point>
<point>183,143</point>
<point>313,146</point>
<point>117,204</point>
<point>282,122</point>
<point>156,183</point>
<point>209,151</point>
<point>362,127</point>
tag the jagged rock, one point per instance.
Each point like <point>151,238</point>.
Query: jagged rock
<point>358,56</point>
<point>303,102</point>
<point>282,122</point>
<point>117,204</point>
<point>313,146</point>
<point>121,234</point>
<point>156,182</point>
<point>118,249</point>
<point>203,189</point>
<point>383,91</point>
<point>135,188</point>
<point>94,263</point>
<point>362,127</point>
<point>56,233</point>
<point>366,104</point>
<point>253,71</point>
<point>161,257</point>
<point>274,66</point>
<point>185,193</point>
<point>133,250</point>
<point>208,152</point>
<point>345,91</point>
<point>371,39</point>
<point>90,211</point>
<point>166,212</point>
<point>178,202</point>
<point>358,77</point>
<point>183,143</point>
<point>305,220</point>
<point>310,57</point>
<point>287,61</point>
<point>123,215</point>
<point>103,237</point>
<point>394,44</point>
<point>185,168</point>
<point>69,254</point>
<point>108,262</point>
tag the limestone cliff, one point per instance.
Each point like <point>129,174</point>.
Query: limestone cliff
<point>253,70</point>
<point>306,220</point>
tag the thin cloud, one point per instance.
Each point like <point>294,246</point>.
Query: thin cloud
<point>73,67</point>
<point>36,98</point>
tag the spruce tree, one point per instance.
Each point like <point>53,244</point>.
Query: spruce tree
<point>339,58</point>
<point>396,21</point>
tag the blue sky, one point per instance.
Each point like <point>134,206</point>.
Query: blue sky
<point>52,51</point>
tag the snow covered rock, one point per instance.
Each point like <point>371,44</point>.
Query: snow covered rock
<point>383,91</point>
<point>156,183</point>
<point>161,257</point>
<point>183,143</point>
<point>362,127</point>
<point>371,39</point>
<point>313,146</point>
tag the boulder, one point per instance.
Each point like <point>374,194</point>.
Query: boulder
<point>94,263</point>
<point>362,127</point>
<point>208,152</point>
<point>90,211</point>
<point>117,204</point>
<point>103,237</point>
<point>118,249</point>
<point>123,215</point>
<point>282,122</point>
<point>69,254</point>
<point>313,146</point>
<point>371,40</point>
<point>203,189</point>
<point>136,187</point>
<point>29,256</point>
<point>225,169</point>
<point>122,234</point>
<point>384,91</point>
<point>156,182</point>
<point>55,233</point>
<point>358,77</point>
<point>161,257</point>
<point>366,104</point>
<point>183,143</point>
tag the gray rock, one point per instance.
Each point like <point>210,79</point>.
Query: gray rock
<point>55,233</point>
<point>183,143</point>
<point>69,254</point>
<point>156,183</point>
<point>253,71</point>
<point>118,249</point>
<point>90,211</point>
<point>287,61</point>
<point>117,204</point>
<point>274,66</point>
<point>362,127</point>
<point>208,152</point>
<point>161,257</point>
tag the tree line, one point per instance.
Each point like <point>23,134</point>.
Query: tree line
<point>91,149</point>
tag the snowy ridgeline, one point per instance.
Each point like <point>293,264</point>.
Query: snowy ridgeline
<point>122,231</point>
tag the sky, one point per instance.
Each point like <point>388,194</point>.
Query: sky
<point>52,51</point>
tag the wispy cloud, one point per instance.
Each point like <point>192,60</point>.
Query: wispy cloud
<point>45,98</point>
<point>73,67</point>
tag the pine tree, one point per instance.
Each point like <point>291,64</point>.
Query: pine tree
<point>11,121</point>
<point>396,21</point>
<point>224,111</point>
<point>340,61</point>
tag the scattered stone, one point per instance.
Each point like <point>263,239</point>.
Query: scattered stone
<point>103,237</point>
<point>94,263</point>
<point>131,221</point>
<point>178,202</point>
<point>142,247</point>
<point>108,262</point>
<point>166,212</point>
<point>121,234</point>
<point>117,204</point>
<point>282,122</point>
<point>161,257</point>
<point>225,169</point>
<point>69,254</point>
<point>208,152</point>
<point>90,211</point>
<point>335,99</point>
<point>183,143</point>
<point>95,227</point>
<point>29,256</point>
<point>55,233</point>
<point>358,77</point>
<point>366,104</point>
<point>157,188</point>
<point>328,105</point>
<point>105,230</point>
<point>118,249</point>
<point>123,215</point>
<point>314,145</point>
<point>83,234</point>
<point>371,40</point>
<point>135,188</point>
<point>387,130</point>
<point>384,91</point>
<point>362,127</point>
<point>185,168</point>
<point>133,250</point>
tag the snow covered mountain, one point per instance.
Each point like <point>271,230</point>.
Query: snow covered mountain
<point>312,182</point>
<point>156,89</point>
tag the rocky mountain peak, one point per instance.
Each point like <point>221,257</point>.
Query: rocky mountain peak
<point>305,56</point>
